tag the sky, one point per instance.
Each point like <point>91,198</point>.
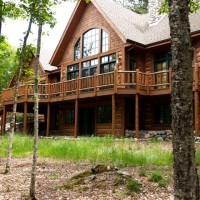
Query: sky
<point>14,29</point>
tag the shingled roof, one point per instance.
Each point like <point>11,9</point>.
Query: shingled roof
<point>129,25</point>
<point>45,56</point>
<point>135,26</point>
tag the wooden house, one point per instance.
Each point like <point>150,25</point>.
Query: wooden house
<point>113,73</point>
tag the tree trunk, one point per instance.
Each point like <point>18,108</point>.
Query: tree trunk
<point>186,184</point>
<point>18,75</point>
<point>36,108</point>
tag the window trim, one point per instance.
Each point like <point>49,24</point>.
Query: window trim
<point>100,42</point>
<point>167,59</point>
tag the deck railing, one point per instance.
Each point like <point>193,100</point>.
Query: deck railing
<point>139,82</point>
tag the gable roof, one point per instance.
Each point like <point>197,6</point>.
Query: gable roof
<point>129,25</point>
<point>135,27</point>
<point>45,56</point>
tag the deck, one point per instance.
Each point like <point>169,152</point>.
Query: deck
<point>116,82</point>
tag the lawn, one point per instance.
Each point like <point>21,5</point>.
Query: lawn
<point>120,152</point>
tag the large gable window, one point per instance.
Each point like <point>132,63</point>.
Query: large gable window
<point>91,42</point>
<point>77,53</point>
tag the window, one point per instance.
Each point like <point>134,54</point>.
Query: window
<point>104,41</point>
<point>108,63</point>
<point>104,114</point>
<point>72,72</point>
<point>162,61</point>
<point>132,63</point>
<point>91,42</point>
<point>89,68</point>
<point>69,116</point>
<point>77,53</point>
<point>163,114</point>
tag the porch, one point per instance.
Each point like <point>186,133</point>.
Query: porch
<point>116,82</point>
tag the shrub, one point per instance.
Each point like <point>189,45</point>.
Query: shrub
<point>133,185</point>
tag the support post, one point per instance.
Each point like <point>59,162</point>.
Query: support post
<point>4,120</point>
<point>76,119</point>
<point>137,115</point>
<point>196,100</point>
<point>48,119</point>
<point>113,114</point>
<point>25,118</point>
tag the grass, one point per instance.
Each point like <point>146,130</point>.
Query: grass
<point>133,185</point>
<point>158,178</point>
<point>105,150</point>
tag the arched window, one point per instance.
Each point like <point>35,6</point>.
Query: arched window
<point>94,41</point>
<point>77,48</point>
<point>104,41</point>
<point>91,42</point>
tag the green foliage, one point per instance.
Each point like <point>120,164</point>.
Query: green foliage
<point>101,150</point>
<point>133,185</point>
<point>193,4</point>
<point>140,6</point>
<point>27,72</point>
<point>142,172</point>
<point>8,63</point>
<point>9,9</point>
<point>158,178</point>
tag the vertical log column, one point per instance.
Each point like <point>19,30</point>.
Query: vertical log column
<point>25,118</point>
<point>137,115</point>
<point>4,120</point>
<point>76,119</point>
<point>48,119</point>
<point>196,100</point>
<point>137,104</point>
<point>113,114</point>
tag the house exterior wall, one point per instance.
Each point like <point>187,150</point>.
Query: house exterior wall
<point>91,18</point>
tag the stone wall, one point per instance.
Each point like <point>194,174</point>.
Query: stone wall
<point>163,135</point>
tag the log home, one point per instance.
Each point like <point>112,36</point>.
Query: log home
<point>113,73</point>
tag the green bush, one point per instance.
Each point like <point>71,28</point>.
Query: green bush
<point>133,185</point>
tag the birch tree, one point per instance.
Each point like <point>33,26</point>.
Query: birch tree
<point>36,106</point>
<point>17,79</point>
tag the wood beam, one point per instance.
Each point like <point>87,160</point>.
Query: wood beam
<point>113,114</point>
<point>76,119</point>
<point>48,119</point>
<point>137,115</point>
<point>25,118</point>
<point>196,111</point>
<point>196,100</point>
<point>4,120</point>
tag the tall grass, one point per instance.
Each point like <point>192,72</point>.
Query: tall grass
<point>106,150</point>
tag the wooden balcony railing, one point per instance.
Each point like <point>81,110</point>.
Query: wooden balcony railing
<point>135,81</point>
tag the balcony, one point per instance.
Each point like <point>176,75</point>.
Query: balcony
<point>116,82</point>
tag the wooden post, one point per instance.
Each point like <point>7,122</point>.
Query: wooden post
<point>137,115</point>
<point>25,118</point>
<point>48,119</point>
<point>148,88</point>
<point>196,100</point>
<point>4,120</point>
<point>137,81</point>
<point>76,119</point>
<point>113,114</point>
<point>170,79</point>
<point>115,81</point>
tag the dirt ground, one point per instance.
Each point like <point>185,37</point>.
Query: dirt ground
<point>51,175</point>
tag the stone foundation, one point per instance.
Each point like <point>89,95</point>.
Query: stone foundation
<point>163,135</point>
